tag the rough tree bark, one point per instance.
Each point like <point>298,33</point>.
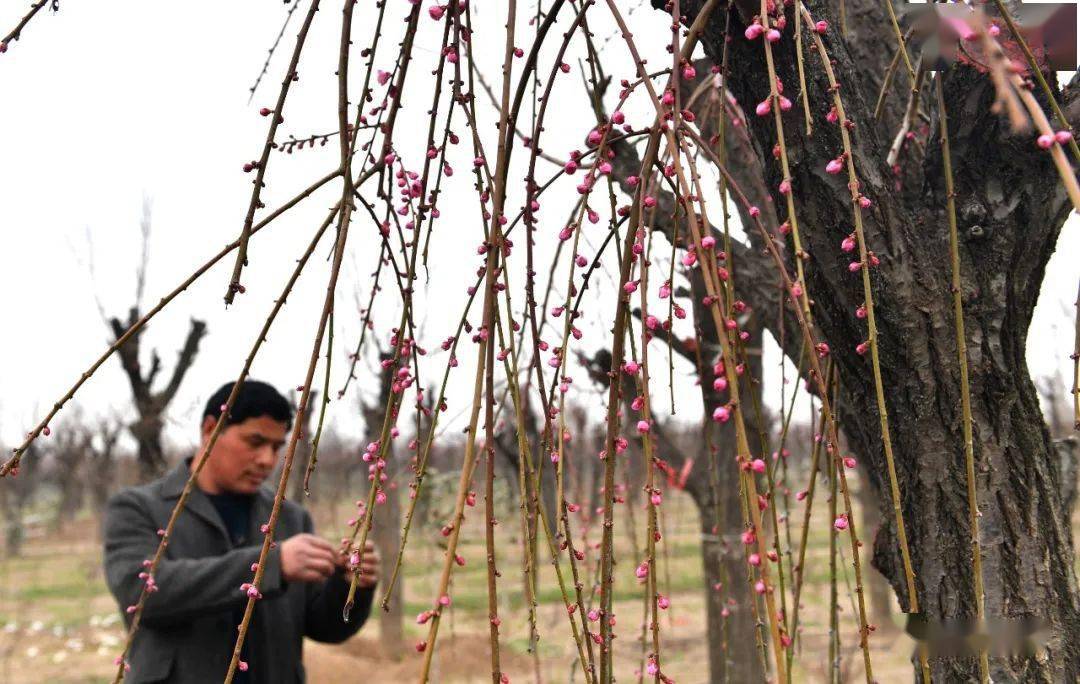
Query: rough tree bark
<point>1011,209</point>
<point>151,405</point>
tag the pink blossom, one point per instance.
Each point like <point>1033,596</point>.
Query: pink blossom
<point>821,27</point>
<point>753,31</point>
<point>383,77</point>
<point>754,559</point>
<point>643,426</point>
<point>1045,141</point>
<point>757,465</point>
<point>840,523</point>
<point>764,107</point>
<point>721,414</point>
<point>835,166</point>
<point>772,35</point>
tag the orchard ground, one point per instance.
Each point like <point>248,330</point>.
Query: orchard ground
<point>58,622</point>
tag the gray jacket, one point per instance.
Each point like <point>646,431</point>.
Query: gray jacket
<point>188,630</point>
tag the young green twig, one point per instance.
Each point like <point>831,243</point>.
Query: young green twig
<point>965,387</point>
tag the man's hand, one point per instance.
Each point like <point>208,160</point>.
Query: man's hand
<point>366,567</point>
<point>307,558</point>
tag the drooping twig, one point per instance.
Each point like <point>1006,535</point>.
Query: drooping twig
<point>879,389</point>
<point>276,117</point>
<point>910,114</point>
<point>16,32</point>
<point>266,64</point>
<point>965,387</point>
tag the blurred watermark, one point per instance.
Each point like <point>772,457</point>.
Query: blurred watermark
<point>953,32</point>
<point>965,637</point>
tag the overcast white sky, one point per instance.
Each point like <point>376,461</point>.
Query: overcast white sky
<point>105,104</point>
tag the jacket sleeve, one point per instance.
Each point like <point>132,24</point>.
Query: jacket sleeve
<point>186,587</point>
<point>326,600</point>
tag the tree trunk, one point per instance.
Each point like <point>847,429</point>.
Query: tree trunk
<point>1011,208</point>
<point>387,535</point>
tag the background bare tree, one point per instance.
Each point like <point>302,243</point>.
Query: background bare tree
<point>151,405</point>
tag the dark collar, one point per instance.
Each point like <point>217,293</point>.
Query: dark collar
<point>172,486</point>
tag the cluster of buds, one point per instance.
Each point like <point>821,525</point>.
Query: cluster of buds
<point>1046,140</point>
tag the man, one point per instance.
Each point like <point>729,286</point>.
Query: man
<point>189,623</point>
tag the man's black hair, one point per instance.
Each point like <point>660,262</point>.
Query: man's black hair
<point>254,400</point>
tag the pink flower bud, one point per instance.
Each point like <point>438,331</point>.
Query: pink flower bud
<point>764,107</point>
<point>821,27</point>
<point>840,523</point>
<point>753,31</point>
<point>772,35</point>
<point>835,166</point>
<point>643,426</point>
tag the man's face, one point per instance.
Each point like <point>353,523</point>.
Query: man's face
<point>244,455</point>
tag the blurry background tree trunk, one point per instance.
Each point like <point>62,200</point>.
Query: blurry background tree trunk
<point>386,532</point>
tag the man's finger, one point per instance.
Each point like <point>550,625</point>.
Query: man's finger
<point>323,566</point>
<point>319,542</point>
<point>322,554</point>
